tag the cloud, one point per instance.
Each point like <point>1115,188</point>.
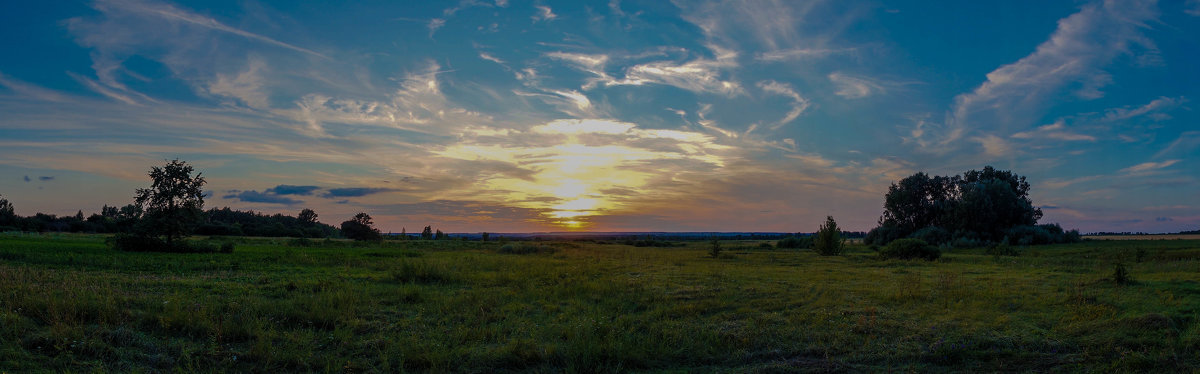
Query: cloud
<point>799,103</point>
<point>284,189</point>
<point>1074,57</point>
<point>246,87</point>
<point>260,197</point>
<point>1055,131</point>
<point>179,16</point>
<point>851,87</point>
<point>1192,7</point>
<point>1183,145</point>
<point>544,14</point>
<point>354,192</point>
<point>1153,108</point>
<point>27,180</point>
<point>1148,166</point>
<point>800,54</point>
<point>994,145</point>
<point>434,25</point>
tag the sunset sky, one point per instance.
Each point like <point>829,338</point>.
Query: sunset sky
<point>511,115</point>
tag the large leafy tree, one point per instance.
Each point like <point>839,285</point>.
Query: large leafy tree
<point>173,205</point>
<point>982,203</point>
<point>307,217</point>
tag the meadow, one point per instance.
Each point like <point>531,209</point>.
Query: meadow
<point>70,303</point>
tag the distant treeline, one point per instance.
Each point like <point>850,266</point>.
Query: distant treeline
<point>223,221</point>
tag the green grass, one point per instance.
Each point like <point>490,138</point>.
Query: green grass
<point>68,303</point>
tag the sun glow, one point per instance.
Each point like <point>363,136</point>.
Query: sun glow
<point>585,168</point>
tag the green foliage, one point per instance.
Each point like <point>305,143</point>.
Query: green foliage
<point>908,249</point>
<point>361,228</point>
<point>524,248</point>
<point>172,205</point>
<point>933,235</point>
<point>795,242</point>
<point>828,240</point>
<point>427,234</point>
<point>983,204</point>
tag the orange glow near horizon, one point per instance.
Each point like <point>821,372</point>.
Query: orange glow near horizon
<point>570,177</point>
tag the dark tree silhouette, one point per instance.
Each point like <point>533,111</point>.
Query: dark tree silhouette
<point>427,233</point>
<point>307,217</point>
<point>173,203</point>
<point>7,215</point>
<point>828,240</point>
<point>361,228</point>
<point>980,204</point>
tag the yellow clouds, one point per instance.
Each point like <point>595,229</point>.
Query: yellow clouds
<point>577,165</point>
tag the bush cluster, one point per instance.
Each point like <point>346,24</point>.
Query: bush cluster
<point>910,248</point>
<point>795,242</point>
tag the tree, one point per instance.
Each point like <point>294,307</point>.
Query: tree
<point>172,205</point>
<point>714,247</point>
<point>829,241</point>
<point>361,228</point>
<point>484,236</point>
<point>439,235</point>
<point>981,204</point>
<point>427,233</point>
<point>307,217</point>
<point>7,215</point>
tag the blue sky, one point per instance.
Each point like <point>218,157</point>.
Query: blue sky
<point>618,115</point>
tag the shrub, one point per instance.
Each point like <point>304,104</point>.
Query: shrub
<point>523,248</point>
<point>933,235</point>
<point>883,235</point>
<point>714,249</point>
<point>420,272</point>
<point>910,249</point>
<point>765,245</point>
<point>792,242</point>
<point>829,241</point>
<point>1121,274</point>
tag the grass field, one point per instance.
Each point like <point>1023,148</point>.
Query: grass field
<point>69,303</point>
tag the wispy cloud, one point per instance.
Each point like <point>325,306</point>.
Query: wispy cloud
<point>852,87</point>
<point>1055,131</point>
<point>799,103</point>
<point>1148,166</point>
<point>173,14</point>
<point>544,13</point>
<point>800,54</point>
<point>1153,108</point>
<point>1073,58</point>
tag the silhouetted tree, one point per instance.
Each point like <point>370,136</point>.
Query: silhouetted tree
<point>979,204</point>
<point>427,233</point>
<point>484,236</point>
<point>307,217</point>
<point>439,235</point>
<point>172,205</point>
<point>8,217</point>
<point>361,228</point>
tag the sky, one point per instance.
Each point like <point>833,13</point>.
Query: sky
<point>521,116</point>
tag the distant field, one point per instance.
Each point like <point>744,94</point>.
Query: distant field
<point>68,303</point>
<point>1143,237</point>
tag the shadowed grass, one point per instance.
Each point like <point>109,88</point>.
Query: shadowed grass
<point>68,303</point>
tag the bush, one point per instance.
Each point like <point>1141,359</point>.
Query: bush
<point>933,235</point>
<point>522,248</point>
<point>714,249</point>
<point>792,242</point>
<point>910,249</point>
